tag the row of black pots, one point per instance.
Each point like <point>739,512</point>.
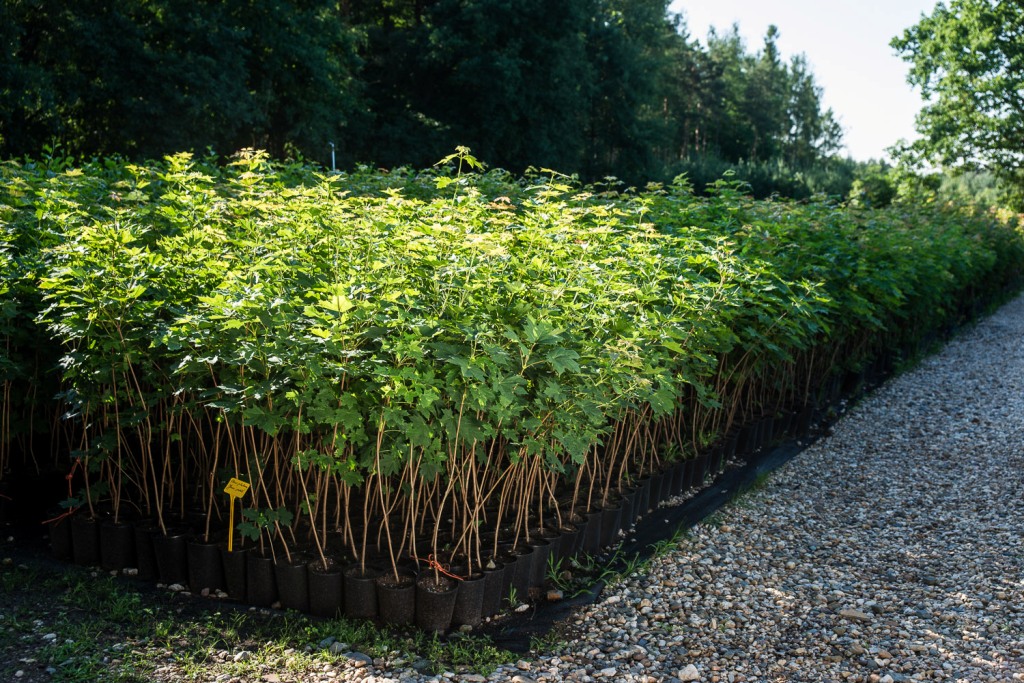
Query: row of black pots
<point>259,579</point>
<point>176,557</point>
<point>360,592</point>
<point>757,434</point>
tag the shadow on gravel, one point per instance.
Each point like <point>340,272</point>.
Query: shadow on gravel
<point>516,632</point>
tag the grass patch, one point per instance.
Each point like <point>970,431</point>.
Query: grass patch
<point>69,624</point>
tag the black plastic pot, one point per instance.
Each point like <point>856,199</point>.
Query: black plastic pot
<point>611,524</point>
<point>693,474</point>
<point>679,478</point>
<point>361,592</point>
<point>205,567</point>
<point>60,538</point>
<point>643,496</point>
<point>326,589</point>
<point>668,481</point>
<point>234,566</point>
<point>145,558</point>
<point>716,460</point>
<point>555,541</point>
<point>853,383</point>
<point>784,425</point>
<point>493,589</point>
<point>568,547</point>
<point>523,573</point>
<point>260,580</point>
<point>117,545</point>
<point>804,419</point>
<point>767,431</point>
<point>745,438</point>
<point>592,533</point>
<point>700,470</point>
<point>292,582</point>
<point>757,437</point>
<point>171,556</point>
<point>435,602</point>
<point>833,390</point>
<point>5,502</point>
<point>508,578</point>
<point>685,474</point>
<point>654,497</point>
<point>396,598</point>
<point>469,602</point>
<point>539,561</point>
<point>629,511</point>
<point>85,540</point>
<point>729,446</point>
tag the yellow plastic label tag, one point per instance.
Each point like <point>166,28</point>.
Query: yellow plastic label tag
<point>236,488</point>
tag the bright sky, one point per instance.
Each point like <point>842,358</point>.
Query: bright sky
<point>847,46</point>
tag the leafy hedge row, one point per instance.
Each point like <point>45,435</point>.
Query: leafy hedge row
<point>439,360</point>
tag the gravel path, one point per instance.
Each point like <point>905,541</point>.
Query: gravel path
<point>888,551</point>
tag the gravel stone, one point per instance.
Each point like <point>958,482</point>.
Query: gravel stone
<point>690,673</point>
<point>358,659</point>
<point>854,615</point>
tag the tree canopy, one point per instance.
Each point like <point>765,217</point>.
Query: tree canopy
<point>967,58</point>
<point>592,87</point>
<point>144,78</point>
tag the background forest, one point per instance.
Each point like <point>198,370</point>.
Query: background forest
<point>591,87</point>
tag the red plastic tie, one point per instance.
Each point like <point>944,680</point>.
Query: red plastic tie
<point>434,564</point>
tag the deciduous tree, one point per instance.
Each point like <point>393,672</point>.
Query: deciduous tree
<point>967,58</point>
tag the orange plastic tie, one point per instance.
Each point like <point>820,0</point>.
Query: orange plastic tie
<point>69,476</point>
<point>74,466</point>
<point>434,564</point>
<point>61,516</point>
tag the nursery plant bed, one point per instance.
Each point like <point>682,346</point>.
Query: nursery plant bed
<point>434,365</point>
